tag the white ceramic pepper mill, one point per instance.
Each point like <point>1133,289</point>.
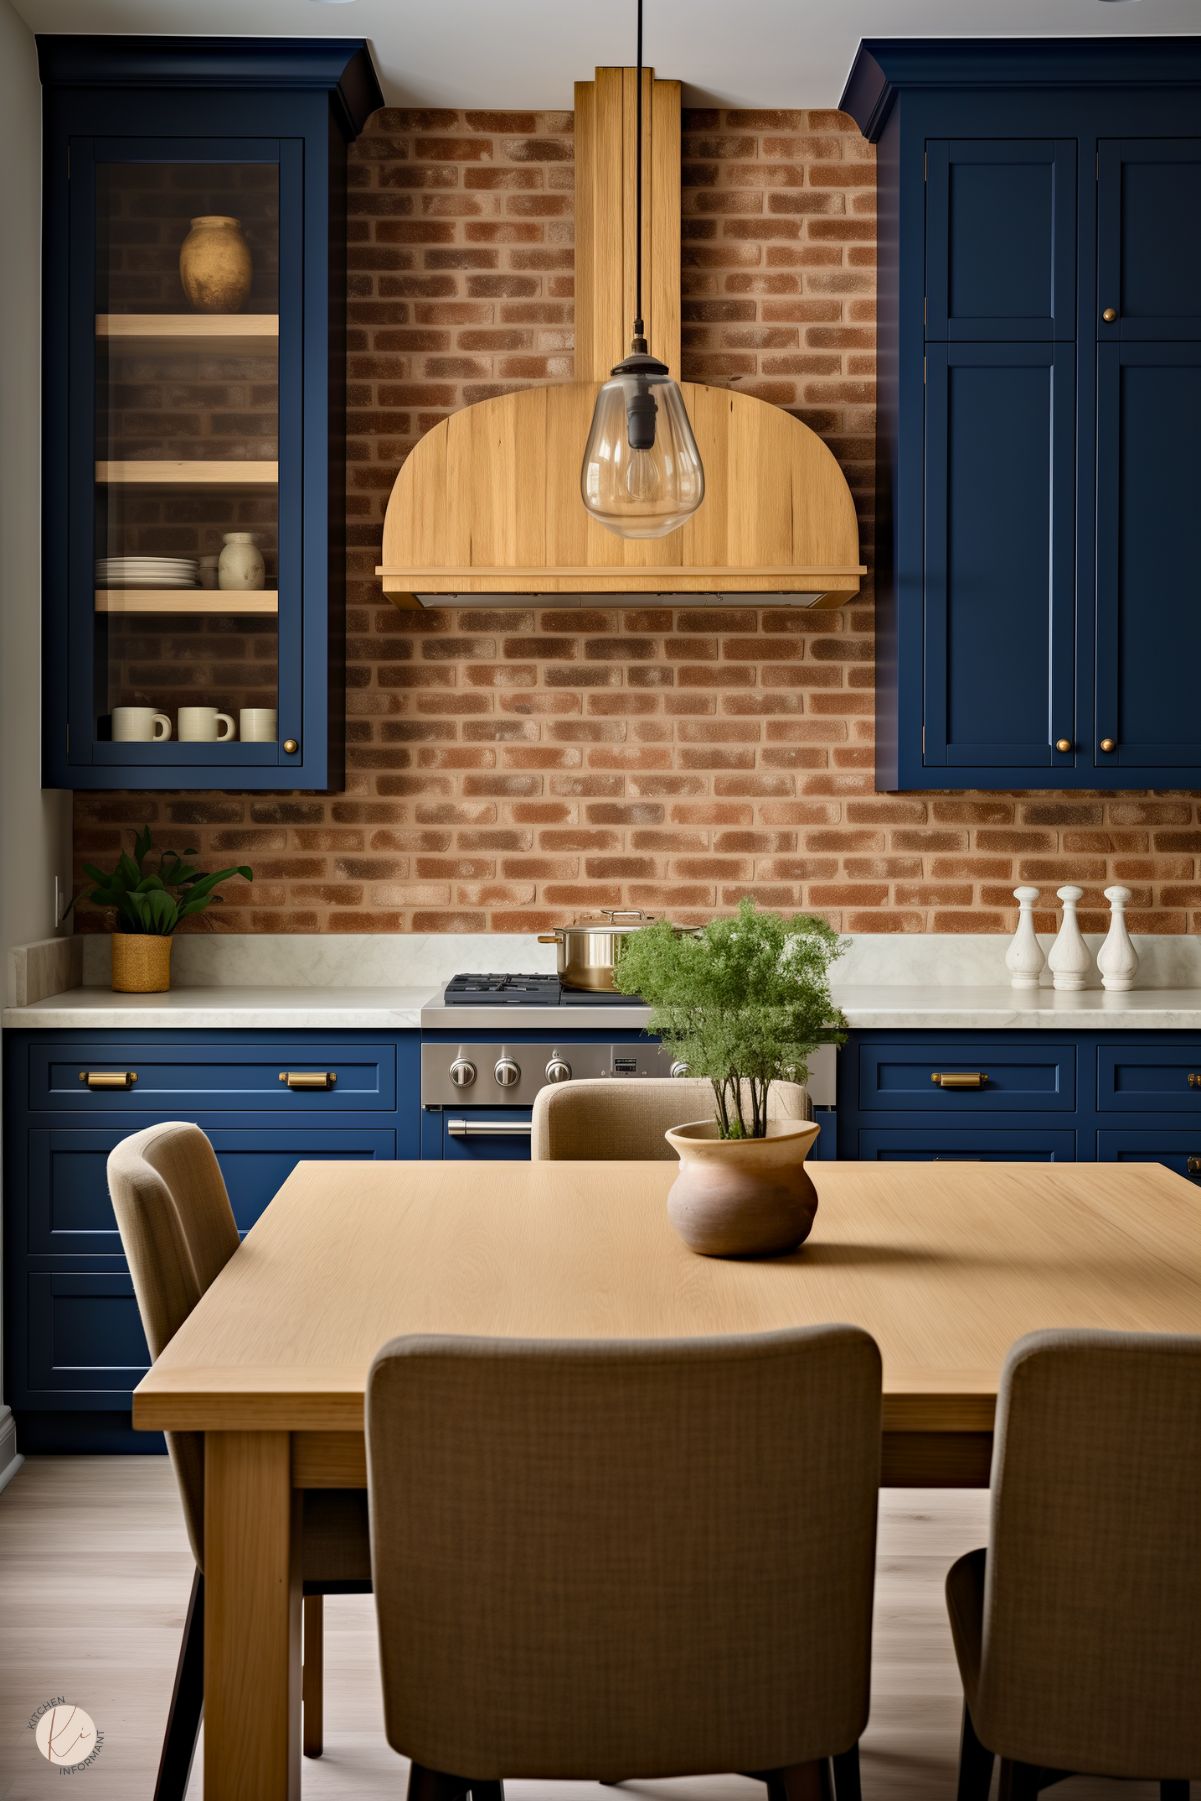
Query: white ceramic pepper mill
<point>1117,958</point>
<point>1069,961</point>
<point>1024,959</point>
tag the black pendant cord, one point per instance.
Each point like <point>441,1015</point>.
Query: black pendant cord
<point>639,343</point>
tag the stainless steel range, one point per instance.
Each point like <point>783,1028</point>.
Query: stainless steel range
<point>490,1042</point>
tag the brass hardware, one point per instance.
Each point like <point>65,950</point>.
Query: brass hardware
<point>1063,744</point>
<point>308,1078</point>
<point>958,1078</point>
<point>1194,1081</point>
<point>1110,314</point>
<point>1194,1166</point>
<point>291,746</point>
<point>1108,744</point>
<point>108,1078</point>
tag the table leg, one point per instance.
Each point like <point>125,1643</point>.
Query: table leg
<point>252,1619</point>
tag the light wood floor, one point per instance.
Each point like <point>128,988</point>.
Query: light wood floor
<point>94,1575</point>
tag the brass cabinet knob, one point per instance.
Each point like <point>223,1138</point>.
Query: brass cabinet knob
<point>1108,744</point>
<point>1063,744</point>
<point>1110,314</point>
<point>291,746</point>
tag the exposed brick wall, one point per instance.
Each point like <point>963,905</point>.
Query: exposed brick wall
<point>509,768</point>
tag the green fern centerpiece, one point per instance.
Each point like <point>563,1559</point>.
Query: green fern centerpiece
<point>743,1001</point>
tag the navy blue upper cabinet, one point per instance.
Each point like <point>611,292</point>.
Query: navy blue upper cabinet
<point>1149,238</point>
<point>1039,577</point>
<point>999,448</point>
<point>194,374</point>
<point>1149,559</point>
<point>1000,239</point>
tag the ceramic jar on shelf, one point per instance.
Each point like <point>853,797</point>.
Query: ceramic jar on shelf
<point>215,264</point>
<point>240,567</point>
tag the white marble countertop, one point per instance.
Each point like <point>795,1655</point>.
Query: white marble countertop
<point>244,1009</point>
<point>880,1005</point>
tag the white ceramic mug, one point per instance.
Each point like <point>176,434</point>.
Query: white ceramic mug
<point>201,725</point>
<point>139,725</point>
<point>258,725</point>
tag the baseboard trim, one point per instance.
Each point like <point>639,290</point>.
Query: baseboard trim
<point>10,1458</point>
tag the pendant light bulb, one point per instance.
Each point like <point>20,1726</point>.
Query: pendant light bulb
<point>642,475</point>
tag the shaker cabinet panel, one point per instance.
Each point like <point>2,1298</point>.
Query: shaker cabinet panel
<point>1000,239</point>
<point>1000,557</point>
<point>1149,238</point>
<point>1148,703</point>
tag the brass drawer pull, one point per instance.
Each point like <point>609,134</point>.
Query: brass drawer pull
<point>1194,1080</point>
<point>1193,1165</point>
<point>108,1078</point>
<point>308,1078</point>
<point>958,1078</point>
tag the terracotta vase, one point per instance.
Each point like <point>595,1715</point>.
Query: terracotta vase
<point>141,963</point>
<point>743,1197</point>
<point>215,265</point>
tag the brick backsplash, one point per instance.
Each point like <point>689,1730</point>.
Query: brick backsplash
<point>509,768</point>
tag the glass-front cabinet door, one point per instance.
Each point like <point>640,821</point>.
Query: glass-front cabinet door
<point>194,428</point>
<point>185,556</point>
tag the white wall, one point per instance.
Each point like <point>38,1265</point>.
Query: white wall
<point>35,827</point>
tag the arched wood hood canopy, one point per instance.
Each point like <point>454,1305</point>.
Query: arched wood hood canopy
<point>488,502</point>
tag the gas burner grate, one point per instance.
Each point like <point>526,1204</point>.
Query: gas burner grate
<point>502,991</point>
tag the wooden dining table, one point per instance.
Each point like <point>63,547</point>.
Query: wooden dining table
<point>945,1264</point>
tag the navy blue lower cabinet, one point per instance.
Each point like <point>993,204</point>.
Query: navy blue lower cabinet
<point>69,1209</point>
<point>1180,1151</point>
<point>74,1348</point>
<point>1021,1097</point>
<point>964,1144</point>
<point>951,1077</point>
<point>86,1347</point>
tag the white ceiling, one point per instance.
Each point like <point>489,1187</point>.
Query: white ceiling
<point>527,53</point>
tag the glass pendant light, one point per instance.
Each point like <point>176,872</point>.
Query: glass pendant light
<point>642,475</point>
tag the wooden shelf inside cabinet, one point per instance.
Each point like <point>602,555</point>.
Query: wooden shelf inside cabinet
<point>225,333</point>
<point>151,472</point>
<point>212,603</point>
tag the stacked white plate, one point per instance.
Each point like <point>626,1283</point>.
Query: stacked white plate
<point>146,572</point>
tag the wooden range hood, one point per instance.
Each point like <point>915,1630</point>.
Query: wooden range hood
<point>488,502</point>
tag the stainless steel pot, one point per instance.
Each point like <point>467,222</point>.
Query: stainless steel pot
<point>588,950</point>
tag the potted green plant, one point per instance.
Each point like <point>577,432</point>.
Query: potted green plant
<point>149,901</point>
<point>743,1001</point>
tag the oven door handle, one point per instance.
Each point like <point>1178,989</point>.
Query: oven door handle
<point>488,1128</point>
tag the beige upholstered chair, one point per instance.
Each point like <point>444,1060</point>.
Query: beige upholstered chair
<point>625,1117</point>
<point>1079,1634</point>
<point>612,1559</point>
<point>178,1232</point>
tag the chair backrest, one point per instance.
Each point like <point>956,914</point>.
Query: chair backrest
<point>597,1558</point>
<point>1091,1648</point>
<point>625,1117</point>
<point>178,1232</point>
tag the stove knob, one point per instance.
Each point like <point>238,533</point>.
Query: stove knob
<point>462,1073</point>
<point>507,1073</point>
<point>557,1070</point>
<point>679,1069</point>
